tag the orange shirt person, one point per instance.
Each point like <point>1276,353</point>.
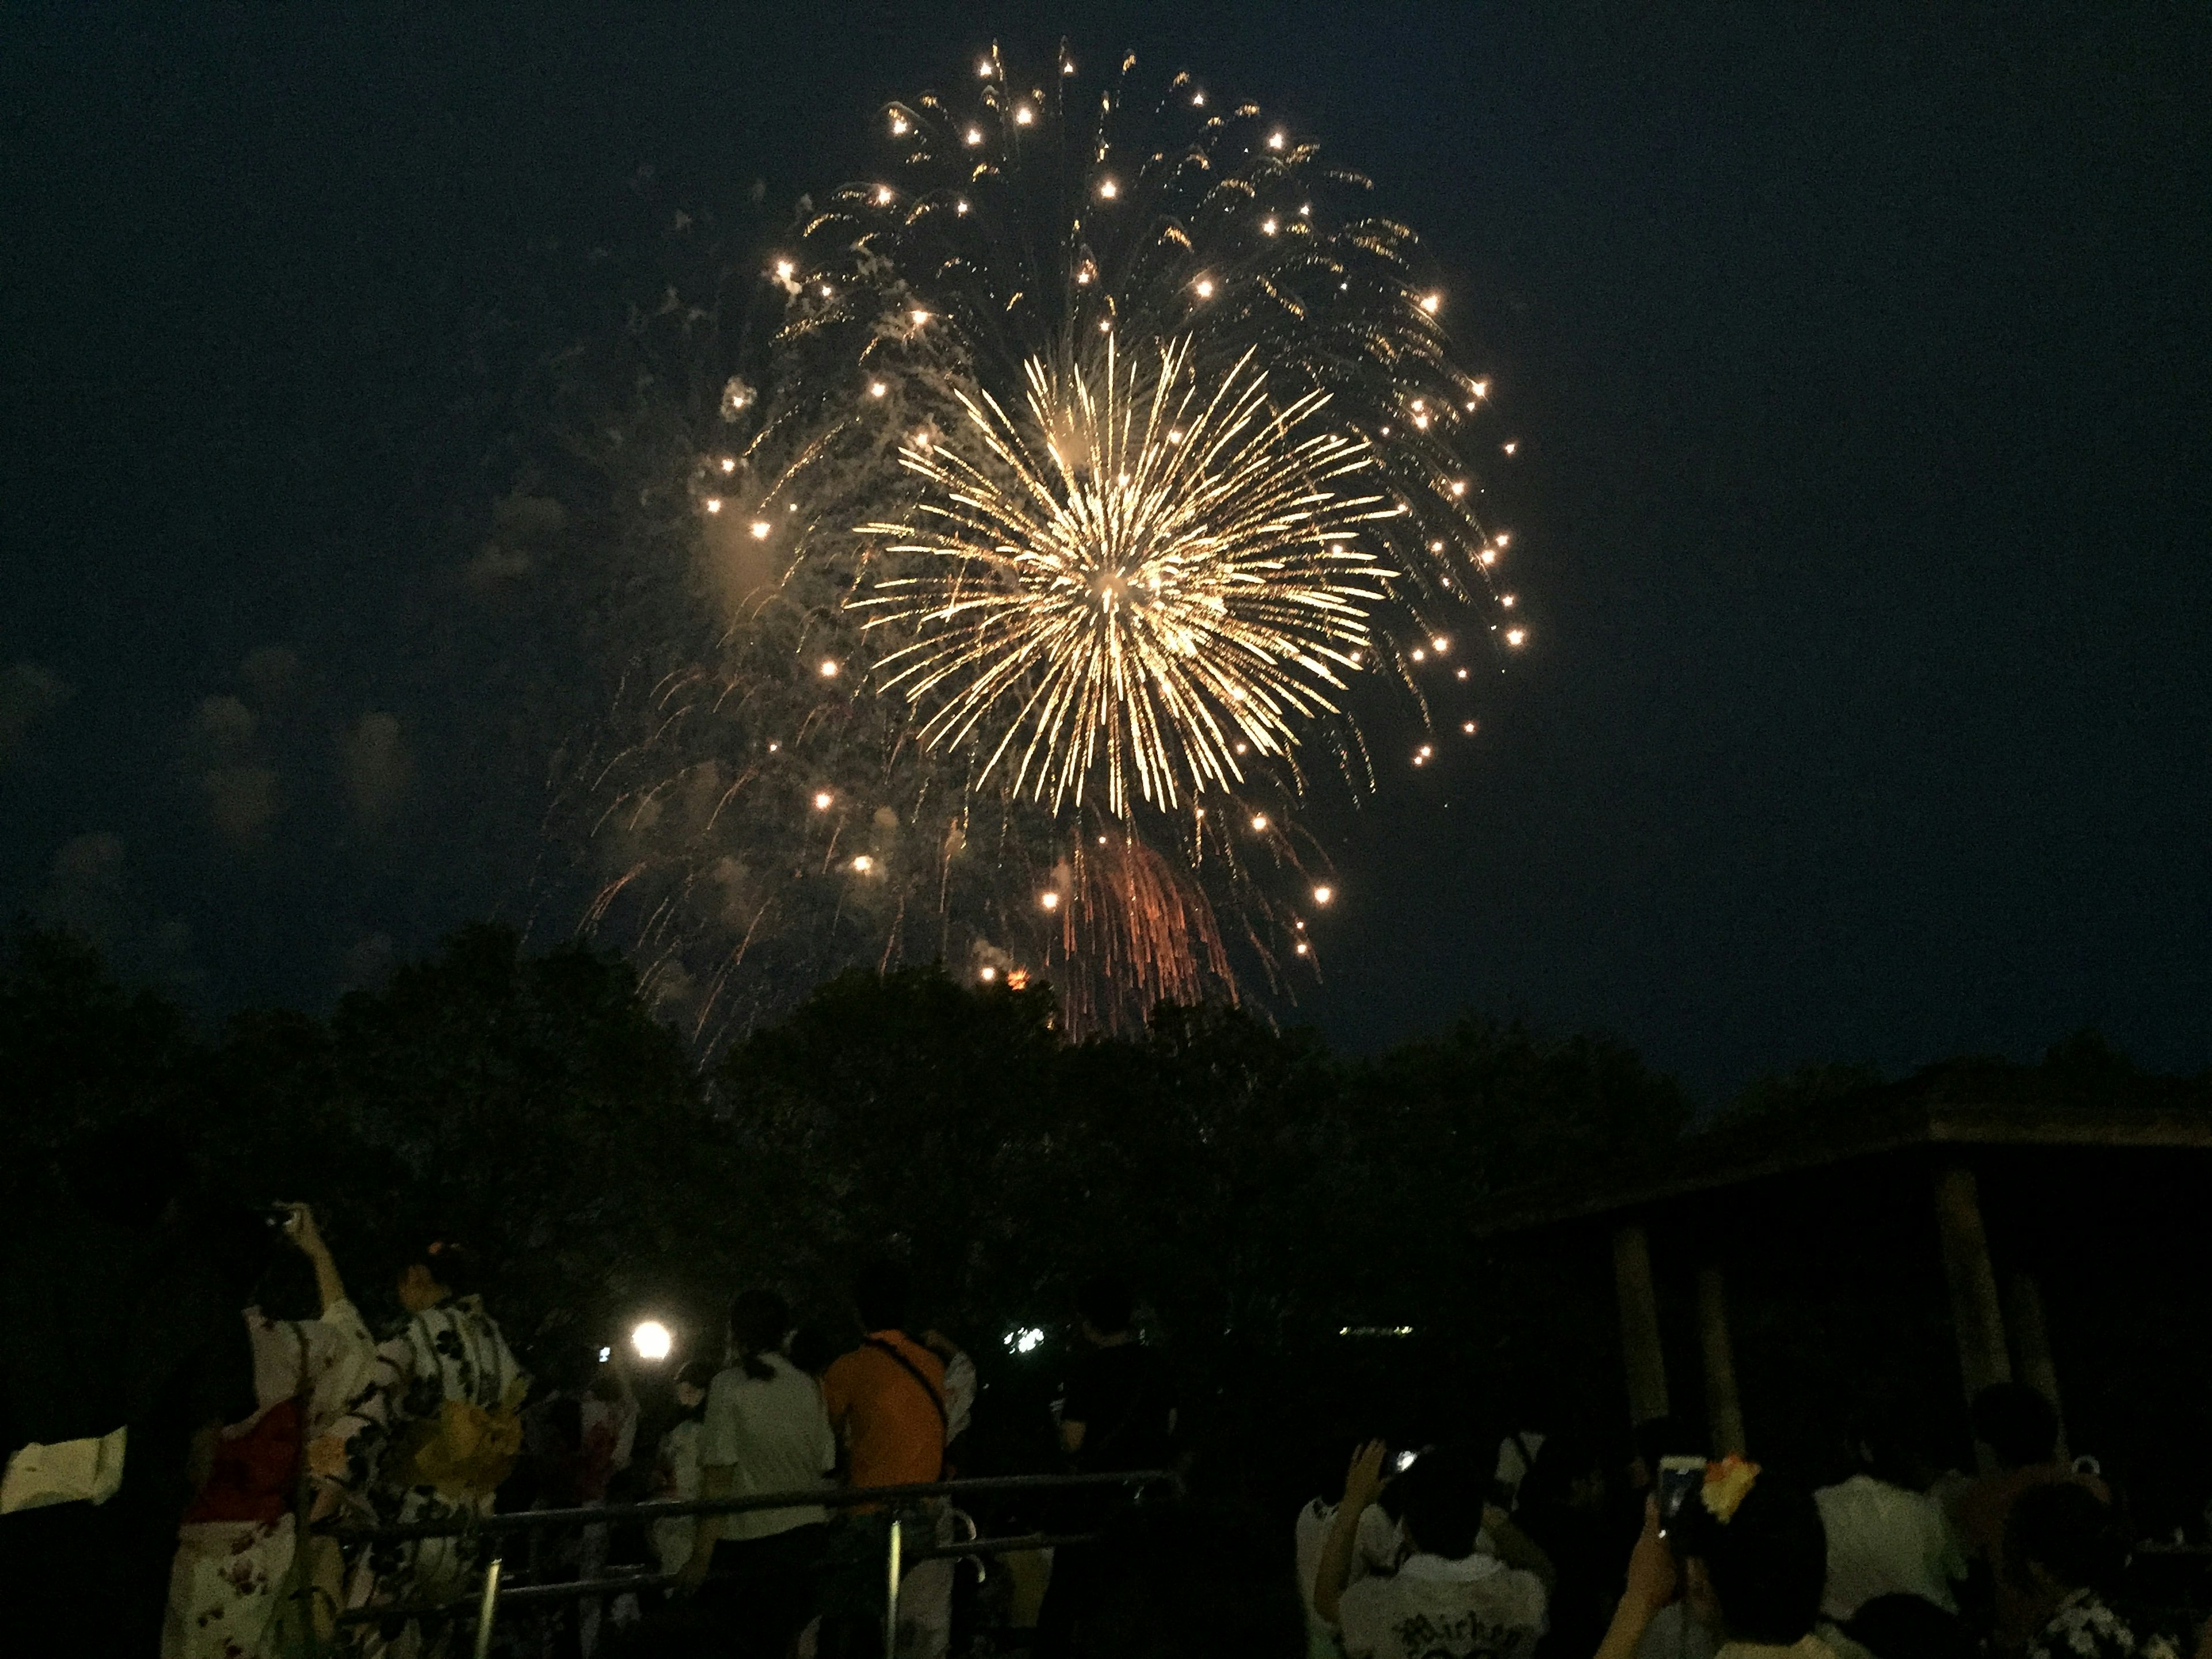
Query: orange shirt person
<point>886,1398</point>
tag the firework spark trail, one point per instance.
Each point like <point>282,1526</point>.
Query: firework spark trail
<point>1141,581</point>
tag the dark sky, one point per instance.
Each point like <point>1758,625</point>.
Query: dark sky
<point>1859,365</point>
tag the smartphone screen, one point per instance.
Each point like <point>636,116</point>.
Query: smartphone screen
<point>1404,1461</point>
<point>1678,1477</point>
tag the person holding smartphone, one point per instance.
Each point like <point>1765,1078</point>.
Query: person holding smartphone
<point>1448,1597</point>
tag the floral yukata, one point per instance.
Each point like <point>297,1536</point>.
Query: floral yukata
<point>453,1351</point>
<point>232,1587</point>
<point>2084,1628</point>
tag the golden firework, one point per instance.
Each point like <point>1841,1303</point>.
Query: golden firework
<point>1146,580</point>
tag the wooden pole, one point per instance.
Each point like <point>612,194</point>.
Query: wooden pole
<point>1646,1365</point>
<point>1723,1408</point>
<point>1977,1320</point>
<point>2031,1346</point>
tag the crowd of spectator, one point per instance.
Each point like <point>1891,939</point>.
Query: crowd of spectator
<point>192,1474</point>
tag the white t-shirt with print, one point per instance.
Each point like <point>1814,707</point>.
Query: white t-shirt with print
<point>1475,1607</point>
<point>775,1433</point>
<point>1882,1540</point>
<point>1377,1546</point>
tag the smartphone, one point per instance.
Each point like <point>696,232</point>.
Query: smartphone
<point>1678,1477</point>
<point>1404,1461</point>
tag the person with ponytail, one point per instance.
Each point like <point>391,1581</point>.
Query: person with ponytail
<point>765,1432</point>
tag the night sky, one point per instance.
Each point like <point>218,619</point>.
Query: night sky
<point>1859,367</point>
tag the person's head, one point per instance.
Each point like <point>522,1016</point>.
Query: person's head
<point>1904,1626</point>
<point>812,1349</point>
<point>1108,1306</point>
<point>880,1295</point>
<point>692,1382</point>
<point>2017,1423</point>
<point>1890,1442</point>
<point>1569,1474</point>
<point>759,1321</point>
<point>2060,1537</point>
<point>438,1272</point>
<point>1756,1576</point>
<point>1443,1494</point>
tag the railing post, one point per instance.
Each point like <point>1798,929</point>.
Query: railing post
<point>890,1591</point>
<point>487,1610</point>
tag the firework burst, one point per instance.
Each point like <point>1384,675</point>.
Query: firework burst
<point>1094,466</point>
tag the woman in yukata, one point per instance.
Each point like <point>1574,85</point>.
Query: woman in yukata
<point>242,1586</point>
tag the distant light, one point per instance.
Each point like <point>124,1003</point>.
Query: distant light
<point>1459,487</point>
<point>1174,434</point>
<point>975,135</point>
<point>1467,726</point>
<point>877,388</point>
<point>989,975</point>
<point>1460,675</point>
<point>713,503</point>
<point>1302,947</point>
<point>1024,1341</point>
<point>1481,388</point>
<point>1024,115</point>
<point>1049,899</point>
<point>983,68</point>
<point>883,195</point>
<point>1108,189</point>
<point>784,268</point>
<point>1266,227</point>
<point>919,317</point>
<point>1205,286</point>
<point>1426,751</point>
<point>760,528</point>
<point>1067,66</point>
<point>898,126</point>
<point>960,206</point>
<point>1305,209</point>
<point>1275,139</point>
<point>1259,820</point>
<point>826,290</point>
<point>1440,645</point>
<point>729,463</point>
<point>829,668</point>
<point>1431,301</point>
<point>1516,635</point>
<point>773,747</point>
<point>863,864</point>
<point>821,799</point>
<point>1503,538</point>
<point>1488,555</point>
<point>1324,895</point>
<point>1421,760</point>
<point>1510,448</point>
<point>1419,655</point>
<point>1506,600</point>
<point>652,1340</point>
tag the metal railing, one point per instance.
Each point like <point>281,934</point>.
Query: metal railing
<point>486,1601</point>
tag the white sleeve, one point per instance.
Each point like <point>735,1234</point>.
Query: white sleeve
<point>718,1432</point>
<point>959,1394</point>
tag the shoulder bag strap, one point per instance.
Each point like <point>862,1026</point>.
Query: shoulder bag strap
<point>936,1400</point>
